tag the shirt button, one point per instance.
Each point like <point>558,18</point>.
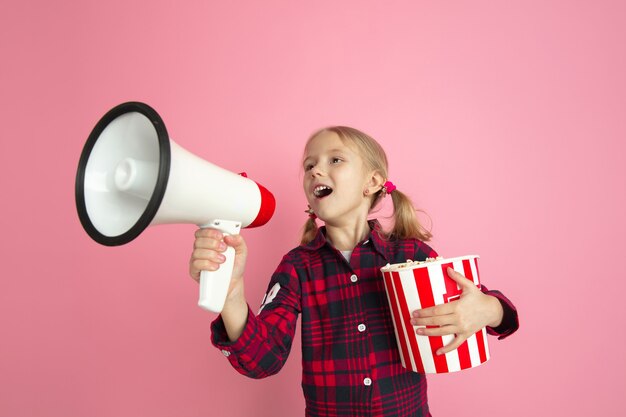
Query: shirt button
<point>361,327</point>
<point>367,382</point>
<point>354,278</point>
<point>225,352</point>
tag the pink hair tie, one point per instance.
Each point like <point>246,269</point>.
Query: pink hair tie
<point>389,187</point>
<point>311,213</point>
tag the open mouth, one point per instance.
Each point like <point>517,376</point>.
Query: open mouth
<point>322,191</point>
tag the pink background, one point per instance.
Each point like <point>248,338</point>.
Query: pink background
<point>504,120</point>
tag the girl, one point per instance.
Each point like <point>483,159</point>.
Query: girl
<point>351,363</point>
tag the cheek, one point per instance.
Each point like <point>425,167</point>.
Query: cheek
<point>305,187</point>
<point>353,178</point>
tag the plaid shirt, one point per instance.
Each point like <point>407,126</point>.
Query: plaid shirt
<point>350,359</point>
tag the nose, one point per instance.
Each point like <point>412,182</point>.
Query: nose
<point>315,171</point>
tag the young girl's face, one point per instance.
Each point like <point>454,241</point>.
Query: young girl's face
<point>335,178</point>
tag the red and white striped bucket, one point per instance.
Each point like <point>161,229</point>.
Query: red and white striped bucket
<point>414,285</point>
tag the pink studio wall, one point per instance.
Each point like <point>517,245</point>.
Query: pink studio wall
<point>504,121</point>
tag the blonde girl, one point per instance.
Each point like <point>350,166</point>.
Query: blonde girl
<point>332,281</point>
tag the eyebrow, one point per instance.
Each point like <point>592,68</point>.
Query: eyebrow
<point>331,151</point>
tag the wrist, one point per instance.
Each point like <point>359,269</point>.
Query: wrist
<point>235,316</point>
<point>234,305</point>
<point>497,312</point>
<point>236,294</point>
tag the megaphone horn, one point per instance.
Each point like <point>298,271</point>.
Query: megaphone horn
<point>131,175</point>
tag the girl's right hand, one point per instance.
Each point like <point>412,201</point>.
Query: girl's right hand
<point>208,255</point>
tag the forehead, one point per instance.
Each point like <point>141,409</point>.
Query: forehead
<point>327,142</point>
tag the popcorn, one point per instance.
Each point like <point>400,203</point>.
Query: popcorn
<point>419,284</point>
<point>410,263</point>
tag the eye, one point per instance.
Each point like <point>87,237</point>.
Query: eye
<point>308,167</point>
<point>335,160</point>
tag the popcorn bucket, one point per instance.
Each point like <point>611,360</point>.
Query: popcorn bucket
<point>414,285</point>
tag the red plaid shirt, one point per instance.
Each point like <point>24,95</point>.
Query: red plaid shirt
<point>350,359</point>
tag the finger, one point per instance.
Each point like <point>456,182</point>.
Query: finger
<point>436,331</point>
<point>438,310</point>
<point>445,320</point>
<point>460,279</point>
<point>204,260</point>
<point>209,243</point>
<point>236,241</point>
<point>208,254</point>
<point>198,265</point>
<point>209,233</point>
<point>458,340</point>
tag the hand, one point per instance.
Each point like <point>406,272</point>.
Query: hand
<point>463,317</point>
<point>208,254</point>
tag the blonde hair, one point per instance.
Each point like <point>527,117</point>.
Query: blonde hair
<point>405,222</point>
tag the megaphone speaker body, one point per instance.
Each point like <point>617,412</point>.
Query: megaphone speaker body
<point>200,192</point>
<point>131,176</point>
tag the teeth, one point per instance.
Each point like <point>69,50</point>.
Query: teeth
<point>322,191</point>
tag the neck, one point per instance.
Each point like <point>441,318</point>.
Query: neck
<point>346,237</point>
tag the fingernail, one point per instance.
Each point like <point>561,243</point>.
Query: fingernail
<point>416,314</point>
<point>222,246</point>
<point>439,352</point>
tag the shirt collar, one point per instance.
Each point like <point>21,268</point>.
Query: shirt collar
<point>375,236</point>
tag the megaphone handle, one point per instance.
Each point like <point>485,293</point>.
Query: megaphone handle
<point>214,284</point>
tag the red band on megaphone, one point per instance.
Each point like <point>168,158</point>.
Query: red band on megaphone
<point>266,211</point>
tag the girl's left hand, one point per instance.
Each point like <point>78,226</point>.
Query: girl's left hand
<point>463,317</point>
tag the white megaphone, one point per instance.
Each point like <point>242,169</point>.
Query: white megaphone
<point>131,176</point>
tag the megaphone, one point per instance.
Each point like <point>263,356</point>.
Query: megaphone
<point>131,176</point>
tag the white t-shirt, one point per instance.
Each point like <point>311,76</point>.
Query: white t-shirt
<point>346,254</point>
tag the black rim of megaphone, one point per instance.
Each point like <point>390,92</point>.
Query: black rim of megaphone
<point>157,196</point>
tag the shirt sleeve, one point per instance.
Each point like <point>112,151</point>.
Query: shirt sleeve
<point>265,343</point>
<point>510,320</point>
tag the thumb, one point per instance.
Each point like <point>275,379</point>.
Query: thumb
<point>460,279</point>
<point>237,242</point>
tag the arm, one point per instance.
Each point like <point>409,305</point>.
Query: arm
<point>474,310</point>
<point>510,321</point>
<point>209,246</point>
<point>265,339</point>
<point>256,346</point>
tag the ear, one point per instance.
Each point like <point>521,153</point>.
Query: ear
<point>374,183</point>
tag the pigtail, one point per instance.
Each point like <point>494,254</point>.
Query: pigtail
<point>309,230</point>
<point>405,222</point>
